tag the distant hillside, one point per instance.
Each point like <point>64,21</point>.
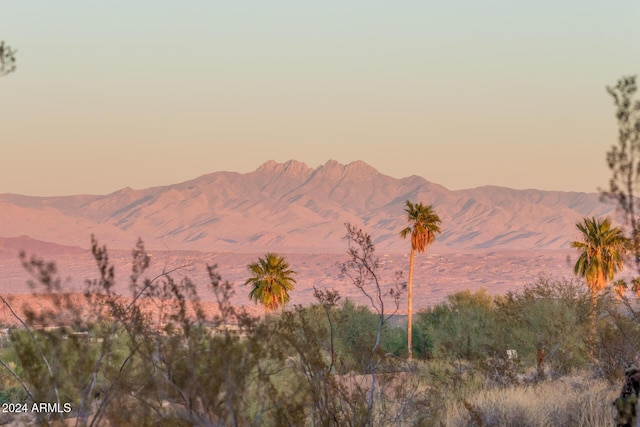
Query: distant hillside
<point>11,247</point>
<point>294,208</point>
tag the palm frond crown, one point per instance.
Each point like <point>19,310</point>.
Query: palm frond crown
<point>424,223</point>
<point>601,252</point>
<point>272,279</point>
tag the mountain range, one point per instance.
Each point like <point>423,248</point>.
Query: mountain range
<point>291,207</point>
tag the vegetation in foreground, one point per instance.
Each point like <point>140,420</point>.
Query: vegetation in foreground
<point>476,356</point>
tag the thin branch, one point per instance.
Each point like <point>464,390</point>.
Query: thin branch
<point>103,353</point>
<point>17,377</point>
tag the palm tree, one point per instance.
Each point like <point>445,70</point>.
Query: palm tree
<point>424,223</point>
<point>271,281</point>
<point>602,249</point>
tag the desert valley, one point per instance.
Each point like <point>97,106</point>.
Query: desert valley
<point>492,237</point>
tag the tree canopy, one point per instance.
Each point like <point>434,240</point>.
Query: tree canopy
<point>602,249</point>
<point>272,279</point>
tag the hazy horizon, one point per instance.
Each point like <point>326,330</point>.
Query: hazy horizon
<point>113,95</point>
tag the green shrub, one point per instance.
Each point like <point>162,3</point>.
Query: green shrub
<point>463,327</point>
<point>394,341</point>
<point>13,394</point>
<point>551,315</point>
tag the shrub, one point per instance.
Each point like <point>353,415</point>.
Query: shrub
<point>463,327</point>
<point>550,315</point>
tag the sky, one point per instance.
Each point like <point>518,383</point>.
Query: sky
<point>463,93</point>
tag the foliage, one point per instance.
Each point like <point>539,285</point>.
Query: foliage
<point>463,327</point>
<point>271,281</point>
<point>362,269</point>
<point>328,357</point>
<point>552,315</point>
<point>624,158</point>
<point>618,339</point>
<point>13,394</point>
<point>602,249</point>
<point>394,341</point>
<point>116,362</point>
<point>332,363</point>
<point>356,334</point>
<point>7,59</point>
<point>313,363</point>
<point>424,223</point>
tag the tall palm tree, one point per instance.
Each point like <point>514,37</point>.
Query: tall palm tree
<point>602,250</point>
<point>271,281</point>
<point>424,223</point>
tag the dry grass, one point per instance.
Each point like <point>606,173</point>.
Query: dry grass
<point>569,401</point>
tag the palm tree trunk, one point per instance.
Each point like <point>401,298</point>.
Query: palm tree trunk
<point>410,307</point>
<point>595,288</point>
<point>593,324</point>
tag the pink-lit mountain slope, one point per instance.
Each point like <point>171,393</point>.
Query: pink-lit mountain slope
<point>294,208</point>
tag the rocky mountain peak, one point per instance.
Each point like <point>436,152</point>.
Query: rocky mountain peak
<point>290,167</point>
<point>360,168</point>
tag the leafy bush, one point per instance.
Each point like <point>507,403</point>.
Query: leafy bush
<point>13,394</point>
<point>550,315</point>
<point>394,341</point>
<point>463,327</point>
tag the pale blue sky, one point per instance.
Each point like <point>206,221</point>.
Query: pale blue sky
<point>467,93</point>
